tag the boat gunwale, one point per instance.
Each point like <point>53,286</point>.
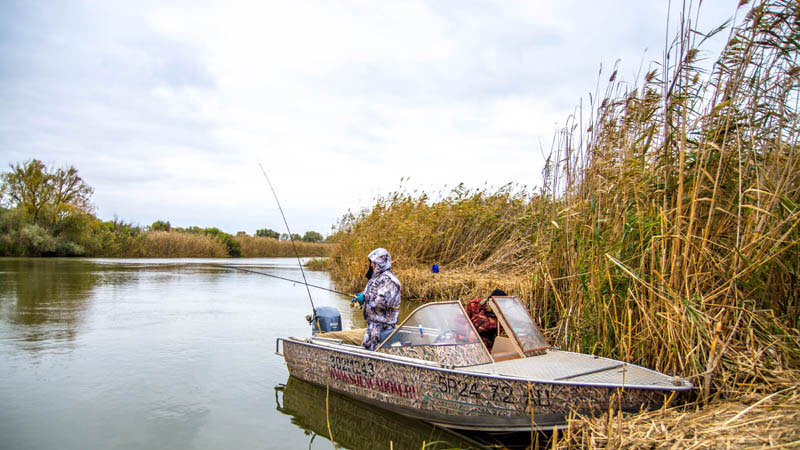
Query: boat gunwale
<point>422,364</point>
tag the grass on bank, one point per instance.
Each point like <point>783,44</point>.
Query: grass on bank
<point>178,244</point>
<point>82,234</point>
<point>666,233</point>
<point>165,244</point>
<point>253,246</point>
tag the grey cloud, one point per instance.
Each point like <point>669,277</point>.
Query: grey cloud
<point>460,76</point>
<point>69,78</point>
<point>82,83</point>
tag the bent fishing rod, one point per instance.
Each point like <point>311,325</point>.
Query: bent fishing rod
<point>283,278</point>
<point>294,247</point>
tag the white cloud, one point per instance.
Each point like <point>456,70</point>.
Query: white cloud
<point>167,110</point>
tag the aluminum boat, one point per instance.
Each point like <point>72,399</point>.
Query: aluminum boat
<point>435,367</point>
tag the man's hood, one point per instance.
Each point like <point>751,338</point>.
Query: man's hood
<point>381,258</point>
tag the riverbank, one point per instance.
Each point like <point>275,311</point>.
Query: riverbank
<point>163,244</point>
<point>261,247</point>
<point>50,213</point>
<point>666,233</point>
<point>82,234</point>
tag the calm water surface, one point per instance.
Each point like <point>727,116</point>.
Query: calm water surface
<point>170,353</point>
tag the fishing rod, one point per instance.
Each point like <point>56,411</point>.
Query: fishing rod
<point>283,278</point>
<point>302,272</point>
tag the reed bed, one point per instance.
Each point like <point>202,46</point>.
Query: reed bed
<point>767,421</point>
<point>262,247</point>
<point>460,230</point>
<point>666,232</point>
<point>165,244</point>
<point>320,264</point>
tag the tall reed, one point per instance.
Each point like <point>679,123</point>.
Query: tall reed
<point>667,229</point>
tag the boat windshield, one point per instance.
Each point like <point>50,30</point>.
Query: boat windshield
<point>515,319</point>
<point>434,324</point>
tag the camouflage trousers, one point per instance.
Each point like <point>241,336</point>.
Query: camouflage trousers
<point>372,338</point>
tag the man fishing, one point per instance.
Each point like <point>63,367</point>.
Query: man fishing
<point>380,298</point>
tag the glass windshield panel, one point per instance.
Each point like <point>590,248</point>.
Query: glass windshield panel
<point>517,317</point>
<point>434,324</point>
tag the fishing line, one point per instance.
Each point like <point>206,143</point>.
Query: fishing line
<point>283,278</point>
<point>302,272</point>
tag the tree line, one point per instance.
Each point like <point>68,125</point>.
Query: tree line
<point>48,212</point>
<point>309,236</point>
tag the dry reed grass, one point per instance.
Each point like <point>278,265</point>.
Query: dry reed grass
<point>320,264</point>
<point>263,247</point>
<point>766,421</point>
<point>667,232</point>
<point>165,244</point>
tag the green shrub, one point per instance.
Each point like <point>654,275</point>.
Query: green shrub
<point>160,225</point>
<point>233,246</point>
<point>267,232</point>
<point>36,241</point>
<point>69,248</point>
<point>312,236</point>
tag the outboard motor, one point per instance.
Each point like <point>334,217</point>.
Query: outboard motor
<point>327,319</point>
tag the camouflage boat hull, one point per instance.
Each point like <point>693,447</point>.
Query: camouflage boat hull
<point>305,403</point>
<point>458,398</point>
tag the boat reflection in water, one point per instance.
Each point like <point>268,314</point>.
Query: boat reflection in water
<point>356,425</point>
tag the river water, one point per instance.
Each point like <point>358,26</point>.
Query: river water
<point>171,353</point>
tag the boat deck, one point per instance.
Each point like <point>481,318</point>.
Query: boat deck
<point>560,366</point>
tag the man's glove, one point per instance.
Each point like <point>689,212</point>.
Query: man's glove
<point>360,299</point>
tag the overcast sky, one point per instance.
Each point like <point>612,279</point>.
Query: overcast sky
<point>167,109</point>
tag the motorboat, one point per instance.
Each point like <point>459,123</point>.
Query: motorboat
<point>435,367</point>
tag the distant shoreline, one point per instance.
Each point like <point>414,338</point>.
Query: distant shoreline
<point>133,243</point>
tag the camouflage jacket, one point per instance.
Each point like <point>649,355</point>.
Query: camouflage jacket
<point>382,293</point>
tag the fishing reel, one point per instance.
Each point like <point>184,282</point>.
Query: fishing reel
<point>357,301</point>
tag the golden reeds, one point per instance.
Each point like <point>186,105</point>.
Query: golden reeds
<point>755,421</point>
<point>667,231</point>
<point>165,244</point>
<point>253,246</point>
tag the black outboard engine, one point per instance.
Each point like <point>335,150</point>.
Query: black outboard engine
<point>327,319</point>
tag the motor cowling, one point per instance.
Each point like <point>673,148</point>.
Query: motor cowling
<point>326,319</point>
